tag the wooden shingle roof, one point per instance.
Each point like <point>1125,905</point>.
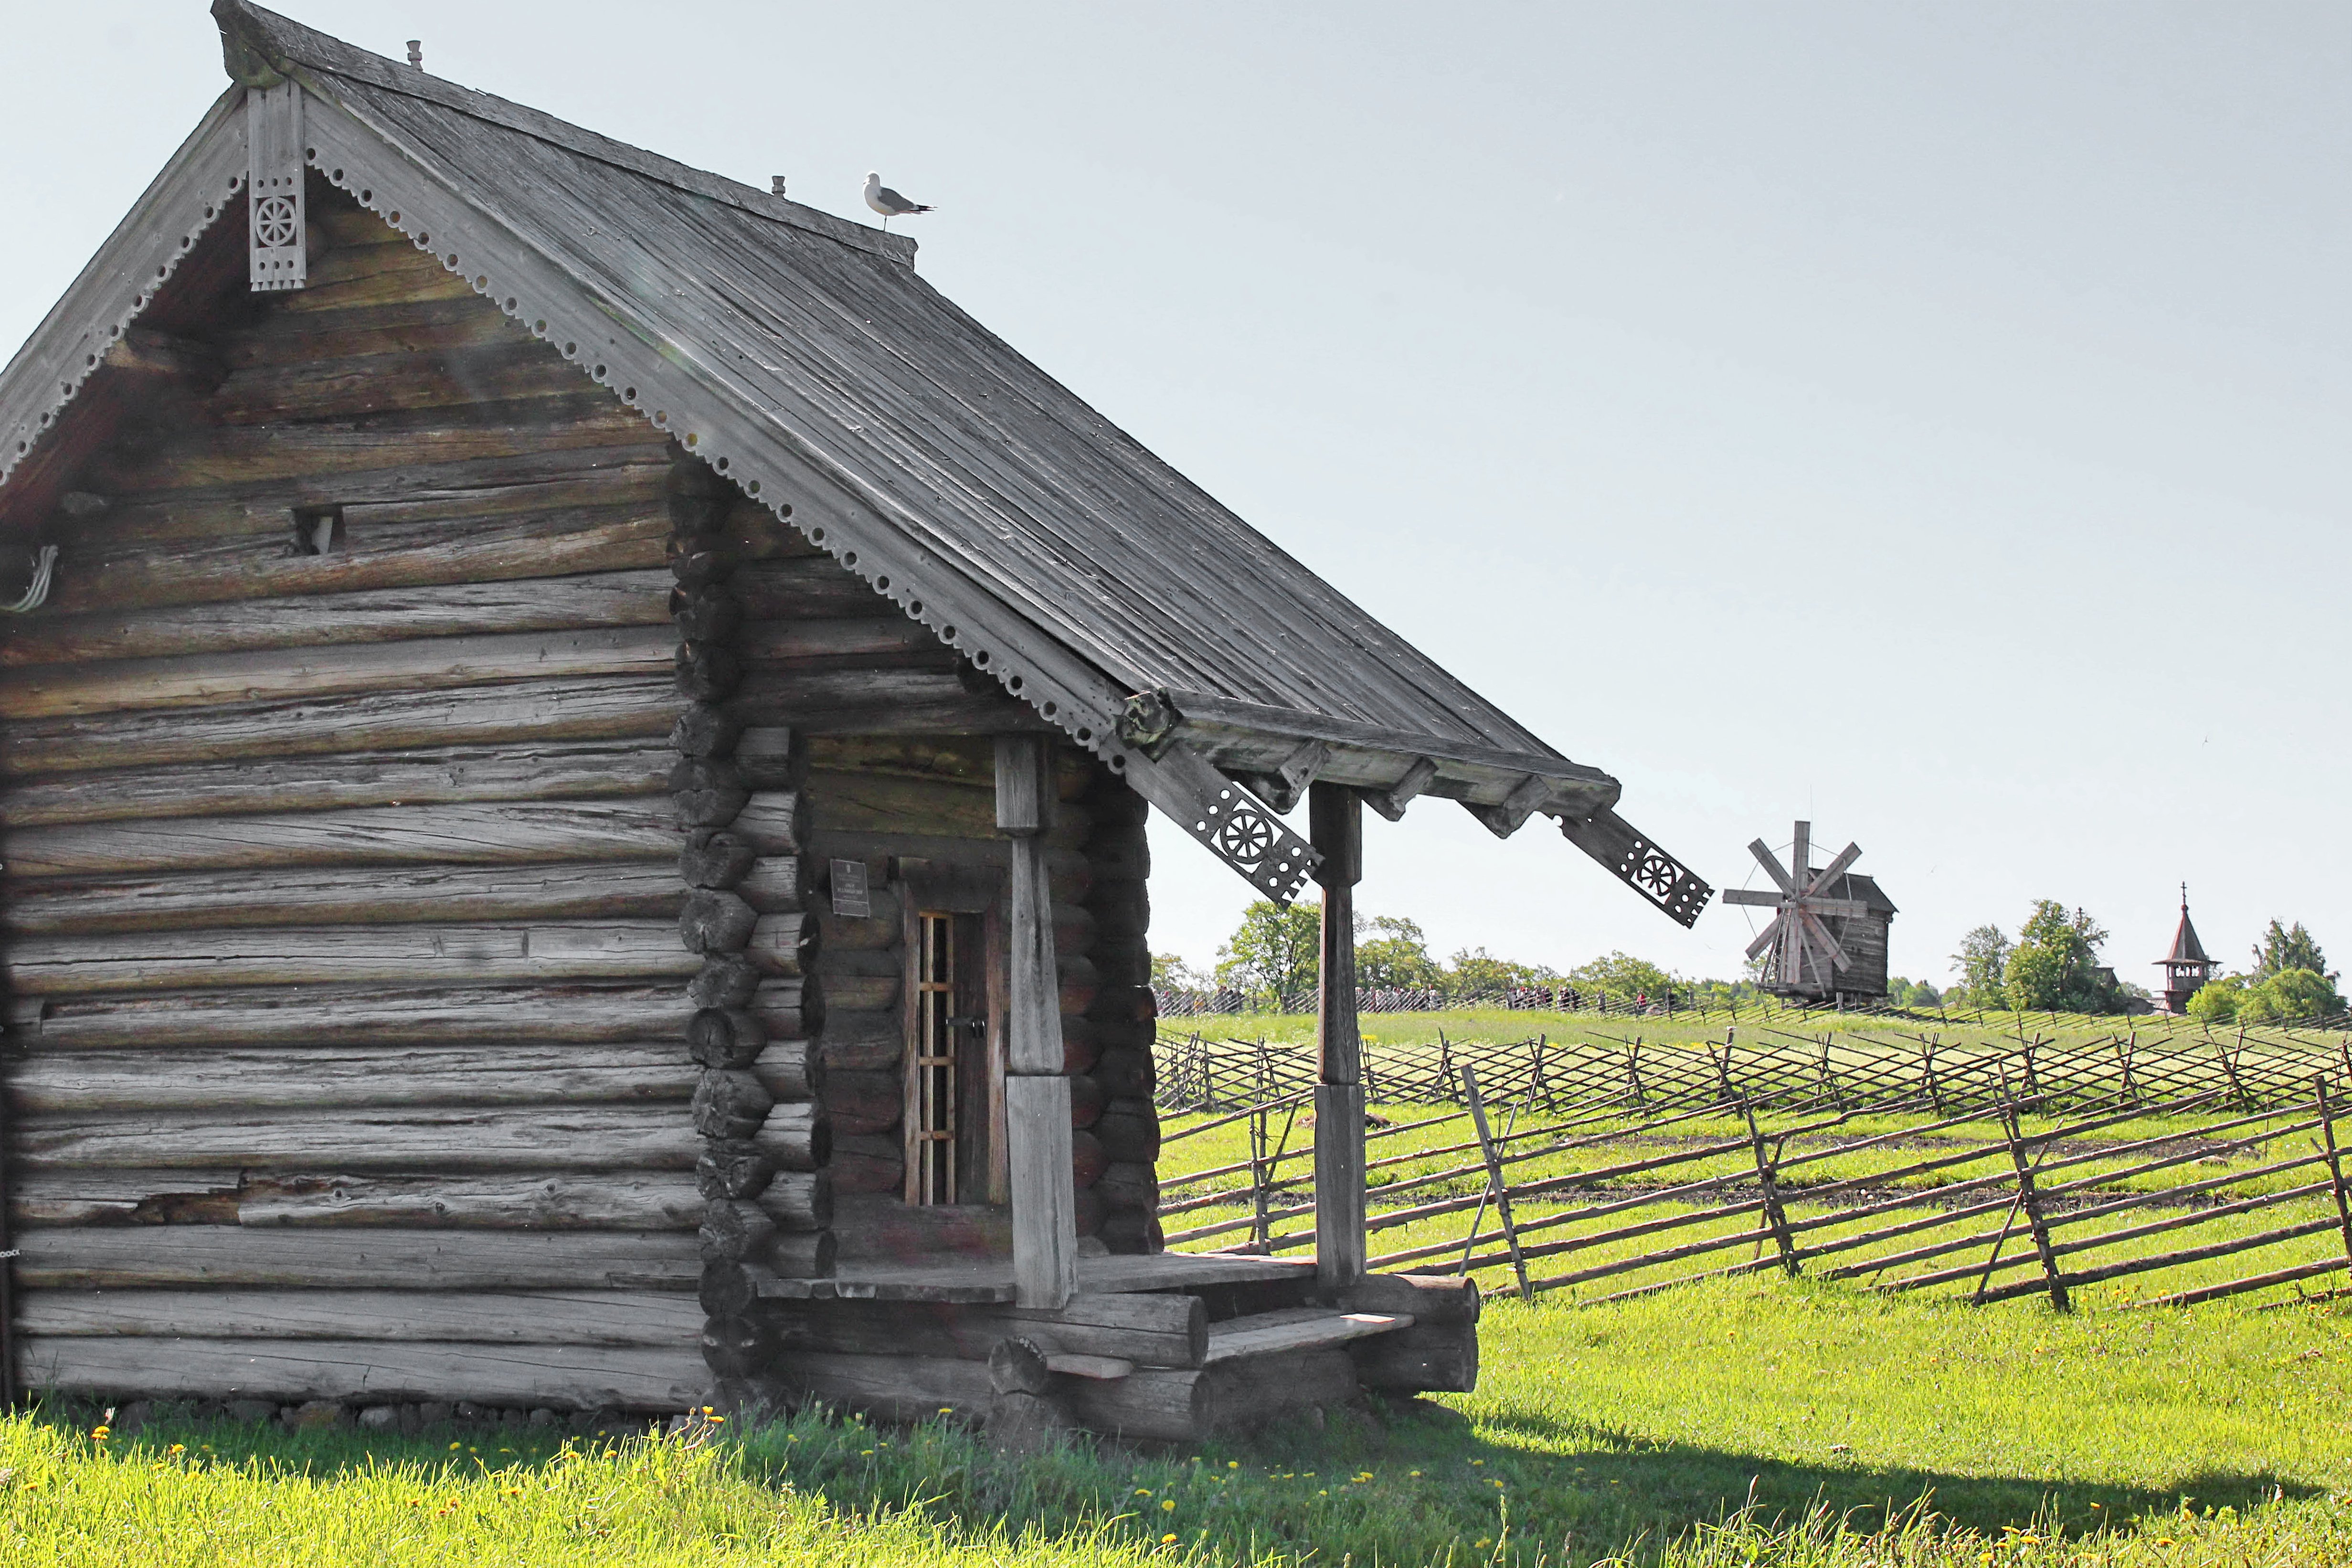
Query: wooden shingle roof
<point>804,356</point>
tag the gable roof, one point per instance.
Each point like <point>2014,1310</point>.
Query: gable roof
<point>802,355</point>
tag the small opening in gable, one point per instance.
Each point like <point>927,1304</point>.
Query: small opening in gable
<point>318,531</point>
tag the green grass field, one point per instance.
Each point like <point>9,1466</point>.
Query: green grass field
<point>1735,1423</point>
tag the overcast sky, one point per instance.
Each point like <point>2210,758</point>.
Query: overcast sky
<point>1930,420</point>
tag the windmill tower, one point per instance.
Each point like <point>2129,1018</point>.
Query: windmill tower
<point>1826,941</point>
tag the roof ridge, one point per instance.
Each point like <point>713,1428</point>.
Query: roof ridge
<point>280,41</point>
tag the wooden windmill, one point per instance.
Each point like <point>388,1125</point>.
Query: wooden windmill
<point>1827,938</point>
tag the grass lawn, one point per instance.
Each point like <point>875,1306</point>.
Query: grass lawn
<point>2216,1434</point>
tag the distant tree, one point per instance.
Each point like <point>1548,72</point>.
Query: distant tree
<point>1391,954</point>
<point>1624,975</point>
<point>2295,995</point>
<point>1275,953</point>
<point>1474,971</point>
<point>1982,961</point>
<point>1170,973</point>
<point>2216,1001</point>
<point>2055,965</point>
<point>1904,993</point>
<point>2284,947</point>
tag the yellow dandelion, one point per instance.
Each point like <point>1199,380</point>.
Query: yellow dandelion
<point>1168,1539</point>
<point>1414,1474</point>
<point>183,1447</point>
<point>1168,1505</point>
<point>717,1419</point>
<point>1232,1464</point>
<point>947,1409</point>
<point>455,1446</point>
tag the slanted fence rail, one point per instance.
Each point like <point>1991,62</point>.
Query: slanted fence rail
<point>2001,1173</point>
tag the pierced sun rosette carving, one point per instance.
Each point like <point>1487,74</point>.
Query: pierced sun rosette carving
<point>1235,824</point>
<point>1640,865</point>
<point>273,138</point>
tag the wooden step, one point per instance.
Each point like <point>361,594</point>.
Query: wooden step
<point>1296,1328</point>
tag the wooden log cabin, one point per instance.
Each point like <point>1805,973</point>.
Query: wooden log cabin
<point>574,753</point>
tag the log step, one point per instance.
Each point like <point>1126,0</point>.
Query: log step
<point>1296,1329</point>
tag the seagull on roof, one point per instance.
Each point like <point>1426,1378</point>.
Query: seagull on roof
<point>888,201</point>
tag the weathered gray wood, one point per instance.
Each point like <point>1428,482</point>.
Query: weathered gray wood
<point>428,1138</point>
<point>583,709</point>
<point>324,1078</point>
<point>558,771</point>
<point>458,609</point>
<point>459,954</point>
<point>1147,1329</point>
<point>581,1377</point>
<point>564,544</point>
<point>765,756</point>
<point>186,1255</point>
<point>779,945</point>
<point>714,859</point>
<point>1045,1221</point>
<point>731,1104</point>
<point>510,1318</point>
<point>380,1016</point>
<point>47,691</point>
<point>1430,1300</point>
<point>198,901</point>
<point>1017,1365</point>
<point>890,1387</point>
<point>775,884</point>
<point>1168,1405</point>
<point>1296,1329</point>
<point>879,930</point>
<point>770,822</point>
<point>502,833</point>
<point>708,792</point>
<point>861,1042</point>
<point>863,1101</point>
<point>1427,1358</point>
<point>711,920</point>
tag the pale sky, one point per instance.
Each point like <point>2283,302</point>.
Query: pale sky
<point>1930,420</point>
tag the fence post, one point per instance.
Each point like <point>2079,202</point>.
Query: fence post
<point>2128,1049</point>
<point>1494,1185</point>
<point>1634,1072</point>
<point>2335,1163</point>
<point>1774,1215</point>
<point>1261,1225</point>
<point>1723,1067</point>
<point>2032,1204</point>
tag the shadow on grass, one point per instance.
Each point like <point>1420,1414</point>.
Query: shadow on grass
<point>1408,1481</point>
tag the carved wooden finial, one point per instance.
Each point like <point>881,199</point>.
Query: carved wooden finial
<point>417,52</point>
<point>776,185</point>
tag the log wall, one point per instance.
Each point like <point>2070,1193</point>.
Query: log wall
<point>348,1046</point>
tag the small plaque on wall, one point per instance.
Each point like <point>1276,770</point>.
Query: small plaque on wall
<point>850,898</point>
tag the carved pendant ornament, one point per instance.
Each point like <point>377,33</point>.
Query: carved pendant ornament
<point>1640,865</point>
<point>275,153</point>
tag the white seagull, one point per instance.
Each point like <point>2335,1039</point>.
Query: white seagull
<point>888,201</point>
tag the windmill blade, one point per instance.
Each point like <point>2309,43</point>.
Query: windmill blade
<point>1771,934</point>
<point>1755,897</point>
<point>1765,857</point>
<point>1835,868</point>
<point>1800,855</point>
<point>1828,944</point>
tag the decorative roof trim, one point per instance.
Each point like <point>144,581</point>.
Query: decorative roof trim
<point>286,44</point>
<point>202,180</point>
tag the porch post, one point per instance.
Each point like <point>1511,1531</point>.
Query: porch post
<point>1336,824</point>
<point>1036,1092</point>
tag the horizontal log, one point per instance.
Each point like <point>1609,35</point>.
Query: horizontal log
<point>213,457</point>
<point>823,638</point>
<point>868,1162</point>
<point>714,859</point>
<point>879,701</point>
<point>955,759</point>
<point>345,1077</point>
<point>729,1104</point>
<point>351,955</point>
<point>767,757</point>
<point>861,1042</point>
<point>782,944</point>
<point>607,1200</point>
<point>371,1015</point>
<point>377,383</point>
<point>380,615</point>
<point>863,1101</point>
<point>796,1136</point>
<point>1065,870</point>
<point>411,1260</point>
<point>711,920</point>
<point>524,711</point>
<point>565,770</point>
<point>705,731</point>
<point>338,669</point>
<point>328,895</point>
<point>1427,1358</point>
<point>812,586</point>
<point>1150,1330</point>
<point>886,803</point>
<point>576,1377</point>
<point>541,484</point>
<point>775,884</point>
<point>708,792</point>
<point>424,1140</point>
<point>345,276</point>
<point>886,1229</point>
<point>889,1387</point>
<point>507,1318</point>
<point>565,542</point>
<point>486,833</point>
